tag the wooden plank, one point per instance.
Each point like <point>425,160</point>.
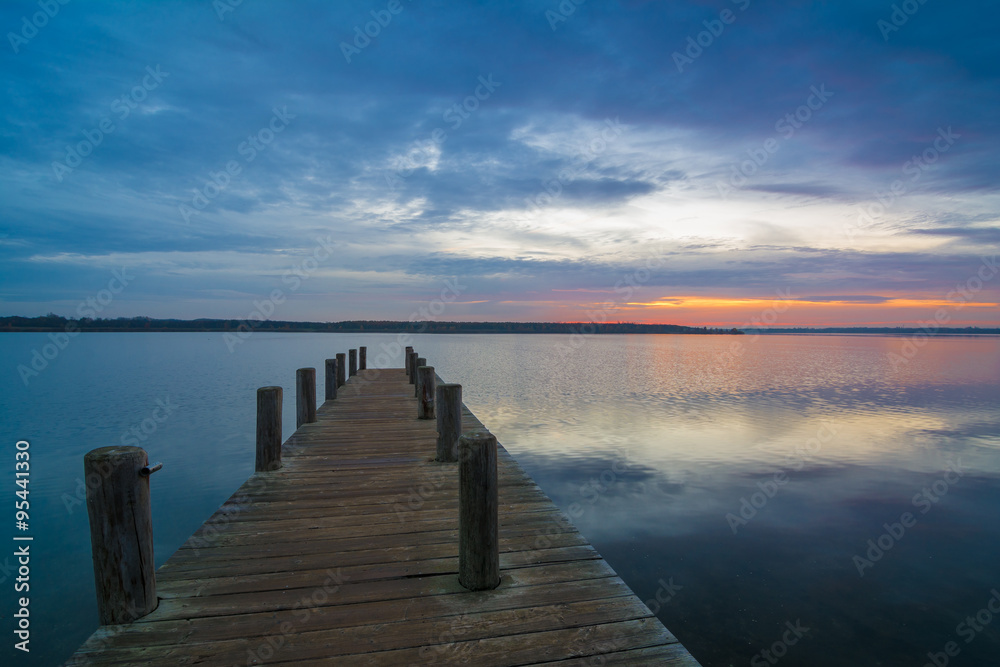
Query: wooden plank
<point>349,553</point>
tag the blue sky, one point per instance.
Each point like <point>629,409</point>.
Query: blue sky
<point>683,162</point>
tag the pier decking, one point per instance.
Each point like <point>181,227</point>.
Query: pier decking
<point>348,555</point>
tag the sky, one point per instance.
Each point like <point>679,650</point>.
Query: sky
<point>717,162</point>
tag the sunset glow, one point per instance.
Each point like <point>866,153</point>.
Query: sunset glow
<point>588,169</point>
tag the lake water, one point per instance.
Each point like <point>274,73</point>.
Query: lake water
<point>753,484</point>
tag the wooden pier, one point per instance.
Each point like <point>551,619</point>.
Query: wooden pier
<point>348,555</point>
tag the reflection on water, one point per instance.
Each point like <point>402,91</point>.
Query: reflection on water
<point>747,475</point>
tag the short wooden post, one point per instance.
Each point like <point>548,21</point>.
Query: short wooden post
<point>305,396</point>
<point>341,369</point>
<point>353,363</point>
<point>411,367</point>
<point>121,533</point>
<point>478,520</point>
<point>268,429</point>
<point>362,358</point>
<point>425,399</point>
<point>448,409</point>
<point>420,361</point>
<point>406,359</point>
<point>331,380</point>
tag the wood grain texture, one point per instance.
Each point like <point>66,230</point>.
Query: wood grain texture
<point>349,555</point>
<point>269,400</point>
<point>417,363</point>
<point>478,512</point>
<point>305,396</point>
<point>425,393</point>
<point>448,413</point>
<point>341,369</point>
<point>121,533</point>
<point>330,377</point>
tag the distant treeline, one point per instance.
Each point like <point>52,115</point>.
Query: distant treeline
<point>52,322</point>
<point>898,331</point>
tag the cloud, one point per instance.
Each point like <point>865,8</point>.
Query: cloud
<point>588,146</point>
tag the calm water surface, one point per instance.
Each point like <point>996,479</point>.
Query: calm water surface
<point>734,483</point>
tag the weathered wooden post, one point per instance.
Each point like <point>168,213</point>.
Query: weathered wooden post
<point>425,399</point>
<point>121,532</point>
<point>478,520</point>
<point>305,396</point>
<point>420,361</point>
<point>353,363</point>
<point>362,358</point>
<point>411,367</point>
<point>406,359</point>
<point>268,429</point>
<point>448,409</point>
<point>331,380</point>
<point>341,369</point>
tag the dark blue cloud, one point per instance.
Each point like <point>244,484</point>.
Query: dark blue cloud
<point>359,158</point>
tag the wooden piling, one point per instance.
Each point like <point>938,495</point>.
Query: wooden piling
<point>411,366</point>
<point>420,361</point>
<point>478,519</point>
<point>331,380</point>
<point>352,363</point>
<point>269,401</point>
<point>341,369</point>
<point>406,359</point>
<point>362,358</point>
<point>121,533</point>
<point>425,397</point>
<point>305,396</point>
<point>448,410</point>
